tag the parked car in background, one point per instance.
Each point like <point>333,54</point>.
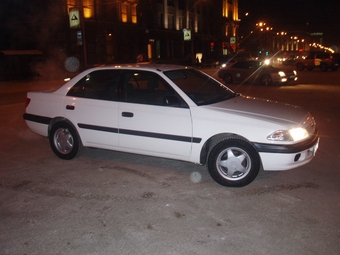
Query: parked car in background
<point>289,60</point>
<point>336,58</point>
<point>322,60</point>
<point>255,71</point>
<point>173,112</point>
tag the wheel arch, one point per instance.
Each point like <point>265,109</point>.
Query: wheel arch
<point>70,145</point>
<point>60,119</point>
<point>212,141</point>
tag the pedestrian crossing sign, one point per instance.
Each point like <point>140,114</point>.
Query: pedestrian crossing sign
<point>74,18</point>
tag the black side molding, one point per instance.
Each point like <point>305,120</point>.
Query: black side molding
<point>36,118</point>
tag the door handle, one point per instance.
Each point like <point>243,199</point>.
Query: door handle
<point>70,107</point>
<point>127,114</point>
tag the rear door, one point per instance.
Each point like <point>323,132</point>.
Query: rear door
<point>242,71</point>
<point>92,106</point>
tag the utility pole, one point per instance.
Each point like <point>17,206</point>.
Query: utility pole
<point>82,28</point>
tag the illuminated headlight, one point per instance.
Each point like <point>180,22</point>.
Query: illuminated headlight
<point>294,72</point>
<point>294,134</point>
<point>267,61</point>
<point>282,74</point>
<point>223,65</point>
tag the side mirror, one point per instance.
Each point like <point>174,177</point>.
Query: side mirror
<point>172,101</point>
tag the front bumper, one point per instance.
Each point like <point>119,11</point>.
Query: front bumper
<point>284,157</point>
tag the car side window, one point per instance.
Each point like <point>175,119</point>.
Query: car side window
<point>144,87</point>
<point>242,65</point>
<point>237,65</point>
<point>310,56</point>
<point>101,85</point>
<point>322,55</point>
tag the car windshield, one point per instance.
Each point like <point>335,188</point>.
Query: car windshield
<point>201,88</point>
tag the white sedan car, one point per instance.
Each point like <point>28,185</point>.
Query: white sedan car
<point>173,112</point>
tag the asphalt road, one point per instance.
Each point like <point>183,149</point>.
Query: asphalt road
<point>106,202</point>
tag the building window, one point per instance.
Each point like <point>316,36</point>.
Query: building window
<point>71,4</point>
<point>124,13</point>
<point>230,14</point>
<point>134,13</point>
<point>159,20</point>
<point>180,23</point>
<point>88,8</point>
<point>171,22</point>
<point>171,3</point>
<point>129,12</point>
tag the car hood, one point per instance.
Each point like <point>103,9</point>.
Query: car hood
<point>263,109</point>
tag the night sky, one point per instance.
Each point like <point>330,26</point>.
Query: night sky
<point>21,18</point>
<point>23,23</point>
<point>290,15</point>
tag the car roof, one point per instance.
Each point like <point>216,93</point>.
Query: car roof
<point>146,66</point>
<point>249,61</point>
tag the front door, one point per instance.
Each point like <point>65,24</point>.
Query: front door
<point>146,124</point>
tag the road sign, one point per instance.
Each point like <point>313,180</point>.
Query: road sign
<point>74,18</point>
<point>187,34</point>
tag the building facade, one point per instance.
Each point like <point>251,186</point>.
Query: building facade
<point>169,31</point>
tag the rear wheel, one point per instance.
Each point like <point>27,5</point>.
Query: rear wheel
<point>266,79</point>
<point>228,79</point>
<point>335,68</point>
<point>324,67</point>
<point>233,162</point>
<point>64,140</point>
<point>300,66</point>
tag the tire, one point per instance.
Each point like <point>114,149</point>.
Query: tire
<point>228,78</point>
<point>334,68</point>
<point>324,67</point>
<point>65,141</point>
<point>233,162</point>
<point>266,79</point>
<point>300,66</point>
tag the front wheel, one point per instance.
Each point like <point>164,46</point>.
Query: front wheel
<point>228,79</point>
<point>233,162</point>
<point>64,140</point>
<point>266,80</point>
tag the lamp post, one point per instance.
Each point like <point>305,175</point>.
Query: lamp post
<point>82,26</point>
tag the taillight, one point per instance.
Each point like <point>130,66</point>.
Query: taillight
<point>28,100</point>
